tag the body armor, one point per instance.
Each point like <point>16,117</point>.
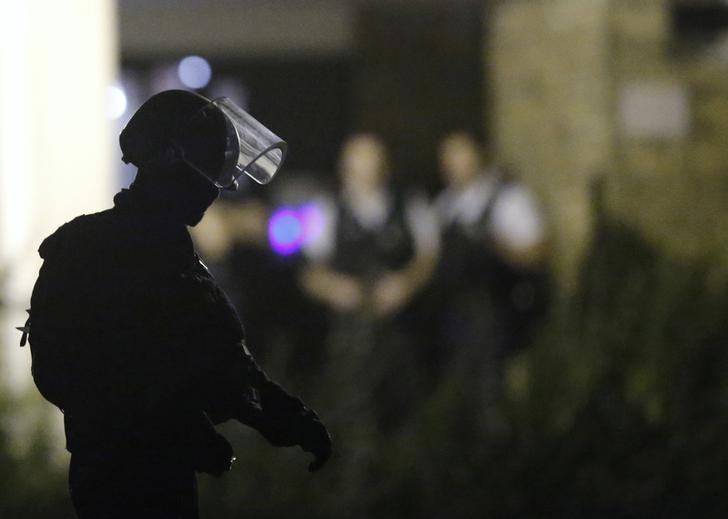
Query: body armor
<point>366,252</point>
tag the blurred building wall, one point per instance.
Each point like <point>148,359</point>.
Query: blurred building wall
<point>234,28</point>
<point>583,89</point>
<point>672,187</point>
<point>57,62</point>
<point>551,98</point>
<point>419,75</point>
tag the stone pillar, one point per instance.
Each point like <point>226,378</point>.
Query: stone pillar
<point>552,108</point>
<point>57,62</point>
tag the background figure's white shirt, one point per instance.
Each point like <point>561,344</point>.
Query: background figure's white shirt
<point>371,212</point>
<point>515,219</point>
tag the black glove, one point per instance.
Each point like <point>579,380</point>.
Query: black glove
<point>305,430</point>
<point>214,456</point>
<point>315,438</point>
<point>282,418</point>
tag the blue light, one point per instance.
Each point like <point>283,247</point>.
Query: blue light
<point>291,228</point>
<point>194,72</point>
<point>285,231</point>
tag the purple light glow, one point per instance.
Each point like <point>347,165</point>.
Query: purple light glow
<point>285,231</point>
<point>289,229</point>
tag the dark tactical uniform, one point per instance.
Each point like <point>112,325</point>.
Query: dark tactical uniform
<point>134,341</point>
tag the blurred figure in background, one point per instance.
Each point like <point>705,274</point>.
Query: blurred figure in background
<point>378,248</point>
<point>490,282</point>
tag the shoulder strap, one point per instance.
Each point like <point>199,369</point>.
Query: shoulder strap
<point>483,225</point>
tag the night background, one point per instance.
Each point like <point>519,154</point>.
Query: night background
<point>612,399</point>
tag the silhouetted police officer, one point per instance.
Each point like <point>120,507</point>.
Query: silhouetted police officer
<point>132,338</point>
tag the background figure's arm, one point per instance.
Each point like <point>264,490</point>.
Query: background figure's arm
<point>340,291</point>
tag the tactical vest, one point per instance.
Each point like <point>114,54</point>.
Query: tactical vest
<point>469,259</point>
<point>471,269</point>
<point>365,252</point>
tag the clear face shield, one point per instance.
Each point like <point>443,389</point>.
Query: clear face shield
<point>222,141</point>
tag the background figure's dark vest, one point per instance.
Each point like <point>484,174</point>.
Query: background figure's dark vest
<point>472,273</point>
<point>375,355</point>
<point>365,252</point>
<point>469,260</point>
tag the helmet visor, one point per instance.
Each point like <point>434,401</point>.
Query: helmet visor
<point>222,141</point>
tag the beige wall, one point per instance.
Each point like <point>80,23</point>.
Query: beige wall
<point>551,96</point>
<point>57,60</point>
<point>236,28</point>
<point>561,71</point>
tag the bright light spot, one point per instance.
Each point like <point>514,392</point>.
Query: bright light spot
<point>290,228</point>
<point>115,102</point>
<point>194,72</point>
<point>285,231</point>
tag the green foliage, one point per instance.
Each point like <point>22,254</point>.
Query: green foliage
<point>33,484</point>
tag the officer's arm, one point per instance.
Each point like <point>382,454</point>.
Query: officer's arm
<point>281,418</point>
<point>220,371</point>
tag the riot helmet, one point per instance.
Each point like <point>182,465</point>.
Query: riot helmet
<point>217,138</point>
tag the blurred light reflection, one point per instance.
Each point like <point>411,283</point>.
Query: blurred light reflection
<point>290,228</point>
<point>194,72</point>
<point>116,102</point>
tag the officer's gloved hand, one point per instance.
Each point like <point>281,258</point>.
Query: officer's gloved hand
<point>315,438</point>
<point>305,430</point>
<point>214,456</point>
